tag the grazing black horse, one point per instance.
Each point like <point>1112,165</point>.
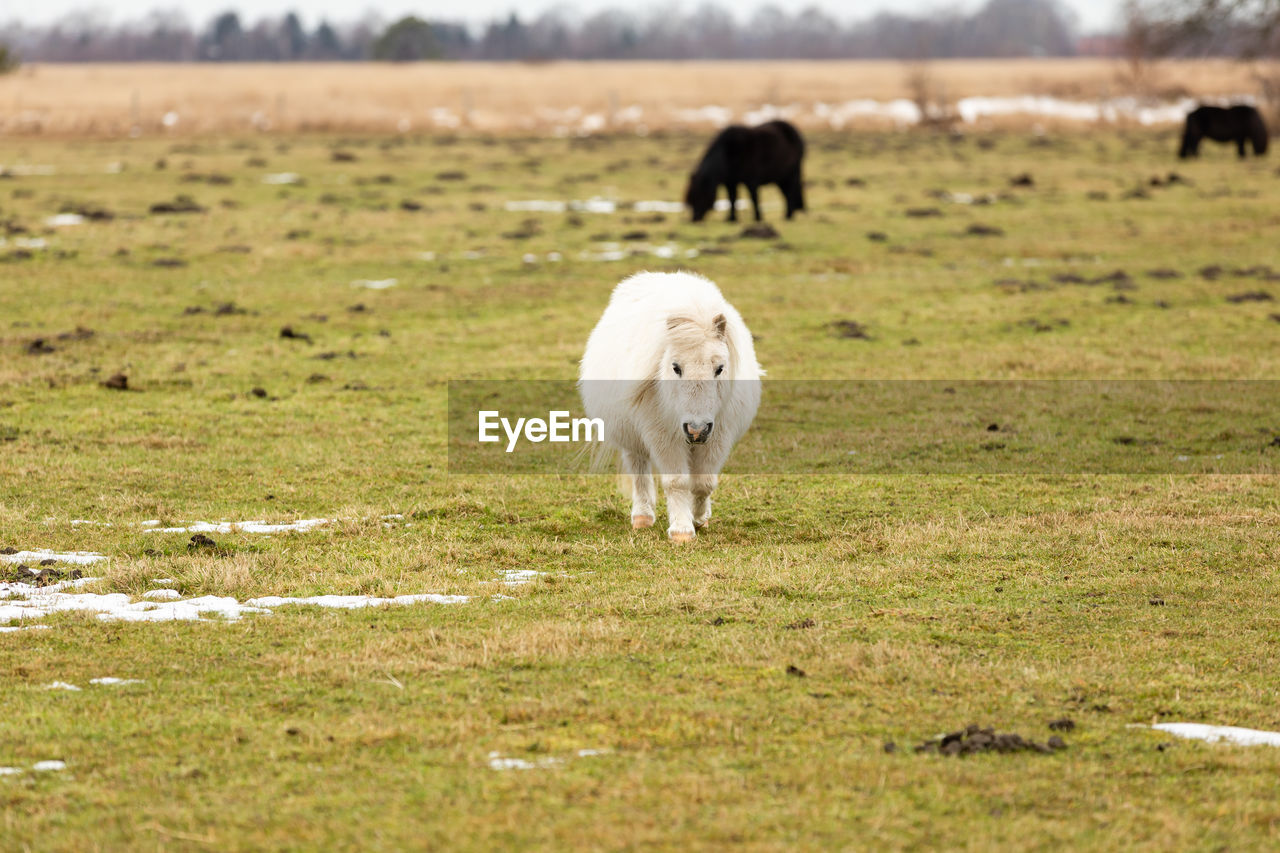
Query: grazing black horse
<point>755,156</point>
<point>1236,124</point>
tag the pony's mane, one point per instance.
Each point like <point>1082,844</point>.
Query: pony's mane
<point>684,331</point>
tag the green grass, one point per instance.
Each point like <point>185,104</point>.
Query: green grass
<point>934,601</point>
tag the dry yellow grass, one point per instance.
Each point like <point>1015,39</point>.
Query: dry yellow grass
<point>112,100</point>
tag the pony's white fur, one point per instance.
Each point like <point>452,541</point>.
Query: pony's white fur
<point>671,370</point>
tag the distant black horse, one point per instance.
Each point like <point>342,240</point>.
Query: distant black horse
<point>755,156</point>
<point>1233,124</point>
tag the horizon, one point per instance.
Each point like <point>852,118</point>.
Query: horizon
<point>1090,17</point>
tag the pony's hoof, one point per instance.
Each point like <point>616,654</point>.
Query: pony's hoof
<point>698,525</point>
<point>640,522</point>
<point>678,536</point>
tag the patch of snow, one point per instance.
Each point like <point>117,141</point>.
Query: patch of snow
<point>48,766</point>
<point>31,602</point>
<point>606,255</point>
<point>351,602</point>
<point>375,283</point>
<point>282,178</point>
<point>162,595</point>
<point>163,580</point>
<point>769,112</point>
<point>113,681</point>
<point>244,526</point>
<point>518,577</point>
<point>536,206</point>
<point>710,114</point>
<point>444,117</point>
<point>25,170</point>
<point>498,762</point>
<point>10,771</point>
<point>61,685</point>
<point>177,611</point>
<point>82,558</point>
<point>1213,734</point>
<point>595,204</point>
<point>151,522</point>
<point>115,168</point>
<point>629,115</point>
<point>658,207</point>
<point>899,111</point>
<point>62,220</point>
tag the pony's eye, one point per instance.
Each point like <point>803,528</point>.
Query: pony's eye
<point>719,370</point>
<point>676,368</point>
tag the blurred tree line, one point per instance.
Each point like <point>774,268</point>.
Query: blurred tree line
<point>1243,29</point>
<point>999,28</point>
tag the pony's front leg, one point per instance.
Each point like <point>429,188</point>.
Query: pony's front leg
<point>704,475</point>
<point>643,493</point>
<point>754,192</point>
<point>1240,147</point>
<point>703,485</point>
<point>732,189</point>
<point>679,489</point>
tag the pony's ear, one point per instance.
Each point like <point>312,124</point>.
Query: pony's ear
<point>721,324</point>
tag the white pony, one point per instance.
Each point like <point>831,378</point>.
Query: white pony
<point>671,370</point>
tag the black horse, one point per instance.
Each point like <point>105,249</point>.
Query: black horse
<point>755,156</point>
<point>1236,124</point>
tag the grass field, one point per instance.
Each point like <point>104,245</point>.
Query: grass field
<point>103,101</point>
<point>738,691</point>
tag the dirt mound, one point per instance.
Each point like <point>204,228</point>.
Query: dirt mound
<point>973,739</point>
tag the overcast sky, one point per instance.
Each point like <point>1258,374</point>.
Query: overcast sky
<point>1094,15</point>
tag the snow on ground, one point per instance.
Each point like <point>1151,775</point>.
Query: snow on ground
<point>22,602</point>
<point>39,767</point>
<point>352,602</point>
<point>595,204</point>
<point>108,680</point>
<point>1214,734</point>
<point>902,112</point>
<point>111,680</point>
<point>497,761</point>
<point>243,526</point>
<point>82,558</point>
<point>518,577</point>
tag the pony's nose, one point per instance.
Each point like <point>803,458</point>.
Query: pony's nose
<point>698,433</point>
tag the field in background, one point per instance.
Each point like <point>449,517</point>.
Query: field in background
<point>113,100</point>
<point>627,693</point>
